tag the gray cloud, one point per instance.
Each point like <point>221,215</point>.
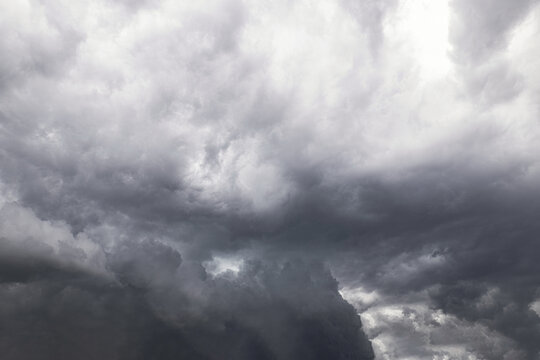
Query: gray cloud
<point>384,146</point>
<point>160,310</point>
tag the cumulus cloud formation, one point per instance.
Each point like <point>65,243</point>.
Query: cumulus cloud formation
<point>269,179</point>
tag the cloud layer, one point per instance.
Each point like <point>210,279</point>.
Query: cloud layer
<point>211,180</point>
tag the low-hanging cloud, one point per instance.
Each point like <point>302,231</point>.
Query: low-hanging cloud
<point>384,152</point>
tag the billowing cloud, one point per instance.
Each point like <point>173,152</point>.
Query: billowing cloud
<point>211,180</point>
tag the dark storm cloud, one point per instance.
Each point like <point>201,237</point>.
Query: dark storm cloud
<point>504,309</point>
<point>143,143</point>
<point>160,310</point>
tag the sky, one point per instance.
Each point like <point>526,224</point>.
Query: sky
<point>270,180</point>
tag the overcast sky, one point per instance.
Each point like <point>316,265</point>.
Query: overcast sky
<point>270,180</point>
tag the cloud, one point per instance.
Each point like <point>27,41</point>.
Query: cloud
<point>414,330</point>
<point>160,309</point>
<point>32,247</point>
<point>384,148</point>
